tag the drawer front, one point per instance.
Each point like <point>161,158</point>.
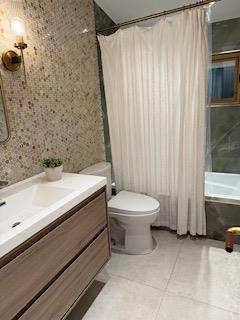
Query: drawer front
<point>23,279</point>
<point>57,300</point>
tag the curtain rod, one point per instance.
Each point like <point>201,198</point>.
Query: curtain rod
<point>226,52</point>
<point>159,14</point>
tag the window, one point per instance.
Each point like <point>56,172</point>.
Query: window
<point>225,74</point>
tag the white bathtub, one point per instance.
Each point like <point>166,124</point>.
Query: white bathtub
<point>225,186</point>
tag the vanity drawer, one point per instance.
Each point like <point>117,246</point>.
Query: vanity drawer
<point>57,300</point>
<point>28,275</point>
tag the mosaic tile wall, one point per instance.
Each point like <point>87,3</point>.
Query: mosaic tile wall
<point>58,111</point>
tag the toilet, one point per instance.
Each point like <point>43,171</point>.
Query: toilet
<point>131,215</point>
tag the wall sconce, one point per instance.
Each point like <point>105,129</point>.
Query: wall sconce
<point>11,59</point>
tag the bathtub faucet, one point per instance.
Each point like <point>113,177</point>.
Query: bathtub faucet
<point>230,237</point>
<point>2,185</point>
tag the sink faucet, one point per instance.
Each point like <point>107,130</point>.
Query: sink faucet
<point>2,185</point>
<point>230,237</point>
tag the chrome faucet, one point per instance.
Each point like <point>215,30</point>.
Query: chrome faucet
<point>3,184</point>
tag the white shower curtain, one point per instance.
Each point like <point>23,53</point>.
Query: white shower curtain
<point>155,82</point>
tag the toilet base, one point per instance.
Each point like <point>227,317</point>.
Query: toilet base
<point>120,249</point>
<point>138,240</point>
<point>131,239</point>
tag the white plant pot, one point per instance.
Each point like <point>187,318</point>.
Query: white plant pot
<point>54,174</point>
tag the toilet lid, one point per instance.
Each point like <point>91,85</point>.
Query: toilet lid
<point>134,203</point>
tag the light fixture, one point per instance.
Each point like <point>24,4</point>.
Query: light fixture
<point>11,59</point>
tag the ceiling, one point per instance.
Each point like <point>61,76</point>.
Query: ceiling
<point>125,10</point>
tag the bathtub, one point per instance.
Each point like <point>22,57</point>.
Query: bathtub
<point>222,203</point>
<point>222,186</point>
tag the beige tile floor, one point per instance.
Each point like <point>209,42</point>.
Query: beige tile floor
<point>182,279</point>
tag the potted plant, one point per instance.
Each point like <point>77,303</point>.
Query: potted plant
<point>53,168</point>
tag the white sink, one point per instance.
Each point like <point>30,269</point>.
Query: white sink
<point>30,202</point>
<point>34,203</point>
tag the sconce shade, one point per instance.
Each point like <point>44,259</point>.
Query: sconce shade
<point>18,29</point>
<point>18,26</point>
<point>11,60</point>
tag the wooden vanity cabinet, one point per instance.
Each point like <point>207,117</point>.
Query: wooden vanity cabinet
<point>48,273</point>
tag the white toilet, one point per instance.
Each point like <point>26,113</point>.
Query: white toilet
<point>131,215</point>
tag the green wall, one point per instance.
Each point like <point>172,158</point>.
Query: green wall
<point>225,120</point>
<point>102,20</point>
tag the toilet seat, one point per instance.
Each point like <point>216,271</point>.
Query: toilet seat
<point>132,203</point>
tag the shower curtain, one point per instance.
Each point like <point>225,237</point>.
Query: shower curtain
<point>155,84</point>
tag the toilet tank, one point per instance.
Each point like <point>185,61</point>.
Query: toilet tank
<point>102,169</point>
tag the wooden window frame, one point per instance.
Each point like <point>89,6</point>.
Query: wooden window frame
<point>236,99</point>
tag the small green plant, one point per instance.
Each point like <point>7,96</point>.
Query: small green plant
<point>51,162</point>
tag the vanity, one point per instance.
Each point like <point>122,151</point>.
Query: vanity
<point>54,239</point>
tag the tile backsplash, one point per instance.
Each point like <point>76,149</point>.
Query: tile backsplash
<point>58,111</point>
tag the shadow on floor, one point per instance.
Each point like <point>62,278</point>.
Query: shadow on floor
<point>86,301</point>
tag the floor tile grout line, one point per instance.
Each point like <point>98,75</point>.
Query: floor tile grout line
<point>187,297</point>
<point>159,306</point>
<point>137,281</point>
<point>144,283</point>
<point>200,301</point>
<point>174,266</point>
<point>165,290</point>
<point>161,292</point>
